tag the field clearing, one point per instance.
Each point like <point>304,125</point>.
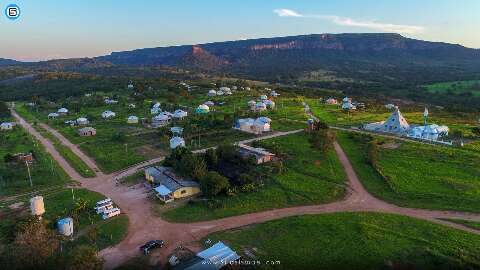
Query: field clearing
<point>44,170</point>
<point>354,241</point>
<point>309,178</point>
<point>442,178</point>
<point>456,87</point>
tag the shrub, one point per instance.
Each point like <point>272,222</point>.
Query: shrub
<point>213,183</point>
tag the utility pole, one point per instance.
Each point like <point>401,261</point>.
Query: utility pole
<point>73,196</point>
<point>29,175</point>
<point>126,148</point>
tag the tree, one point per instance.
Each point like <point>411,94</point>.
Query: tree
<point>213,183</point>
<point>8,158</point>
<point>372,153</point>
<point>457,134</point>
<point>34,244</point>
<point>322,139</point>
<point>226,152</point>
<point>4,111</point>
<point>211,158</point>
<point>119,137</point>
<point>85,258</point>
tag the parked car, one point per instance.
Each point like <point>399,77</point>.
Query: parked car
<point>152,245</point>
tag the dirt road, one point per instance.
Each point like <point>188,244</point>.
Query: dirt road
<point>144,225</point>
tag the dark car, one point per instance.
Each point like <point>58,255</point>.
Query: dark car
<point>152,245</point>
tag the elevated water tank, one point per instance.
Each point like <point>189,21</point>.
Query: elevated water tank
<point>36,206</point>
<point>65,226</point>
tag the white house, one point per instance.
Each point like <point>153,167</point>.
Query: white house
<point>82,121</point>
<point>255,126</point>
<point>62,111</point>
<point>108,114</point>
<point>260,106</point>
<point>132,119</point>
<point>177,142</point>
<point>110,101</point>
<point>53,115</point>
<point>212,93</point>
<point>160,120</point>
<point>209,103</point>
<point>347,104</point>
<point>6,126</point>
<point>180,114</point>
<point>225,89</point>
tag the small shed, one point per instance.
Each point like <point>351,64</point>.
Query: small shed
<point>132,119</point>
<point>260,154</point>
<point>53,115</point>
<point>177,142</point>
<point>82,121</point>
<point>6,126</point>
<point>87,132</point>
<point>202,109</point>
<point>180,114</point>
<point>108,114</point>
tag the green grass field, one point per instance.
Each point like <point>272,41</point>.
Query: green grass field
<point>354,241</point>
<point>107,232</point>
<point>310,178</point>
<point>14,178</point>
<point>457,87</point>
<point>418,175</point>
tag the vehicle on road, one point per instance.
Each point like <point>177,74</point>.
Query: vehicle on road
<point>150,245</point>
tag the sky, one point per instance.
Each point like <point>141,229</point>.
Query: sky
<point>51,29</point>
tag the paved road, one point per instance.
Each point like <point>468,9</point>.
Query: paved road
<point>144,225</point>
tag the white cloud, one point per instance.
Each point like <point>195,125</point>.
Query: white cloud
<point>344,21</point>
<point>283,12</point>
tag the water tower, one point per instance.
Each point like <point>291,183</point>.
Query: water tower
<point>36,206</point>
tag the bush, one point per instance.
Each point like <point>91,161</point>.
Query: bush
<point>213,183</point>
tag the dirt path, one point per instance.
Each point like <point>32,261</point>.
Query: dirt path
<point>75,149</point>
<point>144,225</point>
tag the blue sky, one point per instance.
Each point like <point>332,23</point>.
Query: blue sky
<point>62,29</point>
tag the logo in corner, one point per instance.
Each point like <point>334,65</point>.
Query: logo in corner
<point>12,12</point>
